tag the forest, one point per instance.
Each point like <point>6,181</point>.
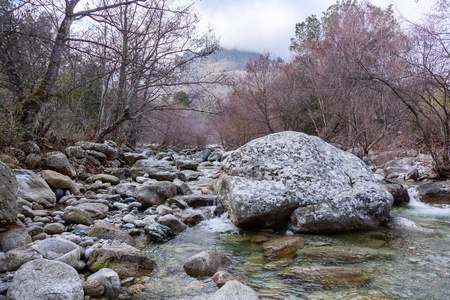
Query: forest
<point>360,77</point>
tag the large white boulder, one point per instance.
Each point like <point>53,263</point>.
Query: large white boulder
<point>294,178</point>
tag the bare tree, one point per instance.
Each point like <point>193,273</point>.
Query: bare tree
<point>146,49</point>
<point>337,51</point>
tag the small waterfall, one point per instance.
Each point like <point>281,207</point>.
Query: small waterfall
<point>220,224</point>
<point>424,209</point>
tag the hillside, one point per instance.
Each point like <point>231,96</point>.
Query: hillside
<point>229,60</point>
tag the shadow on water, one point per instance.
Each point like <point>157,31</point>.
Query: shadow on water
<point>416,267</point>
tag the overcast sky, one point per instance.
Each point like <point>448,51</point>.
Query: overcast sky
<point>268,25</point>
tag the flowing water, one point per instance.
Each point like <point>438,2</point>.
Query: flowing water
<point>418,267</point>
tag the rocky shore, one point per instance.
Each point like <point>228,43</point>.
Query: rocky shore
<point>73,223</point>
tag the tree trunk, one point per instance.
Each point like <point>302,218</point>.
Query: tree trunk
<point>30,106</point>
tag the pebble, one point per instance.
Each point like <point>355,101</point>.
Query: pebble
<point>135,205</point>
<point>140,223</point>
<point>80,232</point>
<point>86,243</point>
<point>39,236</point>
<point>120,206</point>
<point>8,277</point>
<point>129,200</point>
<point>82,227</point>
<point>44,220</point>
<point>128,226</point>
<point>90,238</point>
<point>4,287</point>
<point>80,265</point>
<point>71,237</point>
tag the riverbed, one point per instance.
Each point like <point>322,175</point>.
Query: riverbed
<point>418,267</point>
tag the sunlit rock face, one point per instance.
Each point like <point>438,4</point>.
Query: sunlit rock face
<point>300,180</point>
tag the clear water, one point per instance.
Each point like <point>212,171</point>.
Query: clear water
<point>419,268</point>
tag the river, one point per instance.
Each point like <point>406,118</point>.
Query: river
<point>417,269</point>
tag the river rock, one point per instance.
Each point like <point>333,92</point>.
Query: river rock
<point>173,223</point>
<point>59,162</point>
<point>76,153</point>
<point>189,175</point>
<point>16,236</point>
<point>435,192</point>
<point>126,189</point>
<point>54,228</point>
<point>10,161</point>
<point>290,176</point>
<point>203,155</point>
<point>190,217</point>
<point>12,151</point>
<point>343,254</point>
<point>234,290</point>
<point>33,161</point>
<point>158,232</point>
<point>285,247</point>
<point>8,196</point>
<point>196,200</point>
<point>110,152</point>
<point>404,224</point>
<point>95,210</point>
<point>125,260</point>
<point>33,188</point>
<point>105,230</point>
<point>30,147</point>
<point>76,216</point>
<point>109,279</point>
<point>398,166</point>
<point>325,277</point>
<point>132,158</point>
<point>121,173</point>
<point>46,279</point>
<point>106,178</point>
<point>93,288</point>
<point>222,277</point>
<point>184,163</point>
<point>164,189</point>
<point>412,174</point>
<point>206,263</point>
<point>155,193</point>
<point>159,170</point>
<point>399,193</point>
<point>52,249</point>
<point>59,181</point>
<point>163,210</point>
<point>215,156</point>
<point>147,196</point>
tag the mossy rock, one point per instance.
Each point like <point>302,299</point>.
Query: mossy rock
<point>105,230</point>
<point>234,239</point>
<point>76,216</point>
<point>319,277</point>
<point>343,254</point>
<point>125,260</point>
<point>285,247</point>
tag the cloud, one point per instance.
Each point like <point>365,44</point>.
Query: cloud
<point>252,25</point>
<point>268,25</point>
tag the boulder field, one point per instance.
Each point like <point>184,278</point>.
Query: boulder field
<point>95,225</point>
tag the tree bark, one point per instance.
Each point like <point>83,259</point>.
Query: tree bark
<point>31,105</point>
